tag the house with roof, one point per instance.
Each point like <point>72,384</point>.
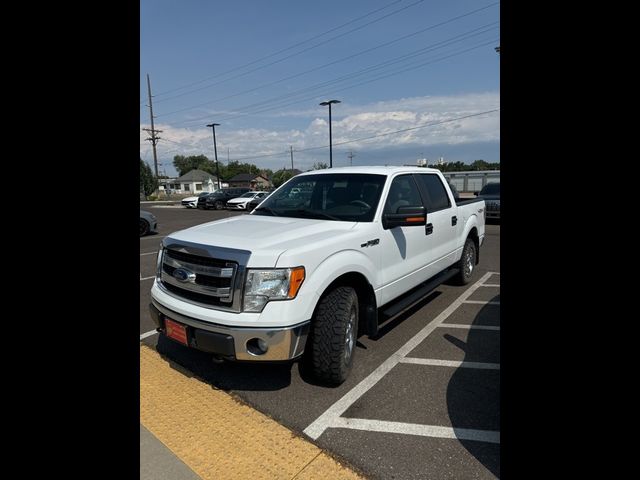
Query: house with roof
<point>195,181</point>
<point>253,181</point>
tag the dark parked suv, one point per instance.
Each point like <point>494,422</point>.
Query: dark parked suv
<point>491,194</point>
<point>218,199</point>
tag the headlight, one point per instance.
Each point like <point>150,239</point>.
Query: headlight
<point>275,284</point>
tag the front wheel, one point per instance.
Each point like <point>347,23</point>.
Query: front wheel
<point>219,205</point>
<point>333,335</point>
<point>467,262</point>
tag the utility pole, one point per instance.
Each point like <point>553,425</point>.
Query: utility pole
<point>153,138</point>
<point>351,155</point>
<point>215,150</point>
<point>291,150</point>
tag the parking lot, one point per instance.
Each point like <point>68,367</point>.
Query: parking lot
<point>423,398</point>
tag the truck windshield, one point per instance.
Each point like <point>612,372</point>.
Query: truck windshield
<point>350,197</point>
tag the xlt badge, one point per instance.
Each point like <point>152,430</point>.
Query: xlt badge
<point>371,243</point>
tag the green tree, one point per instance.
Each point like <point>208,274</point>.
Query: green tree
<point>186,164</point>
<point>148,183</point>
<point>479,165</point>
<point>320,166</point>
<point>281,176</point>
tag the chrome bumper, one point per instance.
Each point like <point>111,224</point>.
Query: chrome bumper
<point>284,343</point>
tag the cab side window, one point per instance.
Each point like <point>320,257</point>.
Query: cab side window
<point>402,193</point>
<point>437,197</point>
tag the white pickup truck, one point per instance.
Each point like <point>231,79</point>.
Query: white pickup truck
<point>325,258</point>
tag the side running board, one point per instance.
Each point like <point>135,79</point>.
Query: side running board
<point>387,312</point>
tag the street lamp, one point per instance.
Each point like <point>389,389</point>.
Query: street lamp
<point>215,150</point>
<point>324,104</point>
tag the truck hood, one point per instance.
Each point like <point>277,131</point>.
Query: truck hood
<point>265,237</point>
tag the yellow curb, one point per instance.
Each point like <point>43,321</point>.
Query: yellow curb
<point>220,438</point>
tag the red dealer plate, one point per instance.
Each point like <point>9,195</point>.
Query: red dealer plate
<point>176,331</point>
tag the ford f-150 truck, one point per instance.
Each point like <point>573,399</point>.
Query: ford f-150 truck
<point>327,257</point>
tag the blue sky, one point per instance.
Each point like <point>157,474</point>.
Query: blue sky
<point>260,68</point>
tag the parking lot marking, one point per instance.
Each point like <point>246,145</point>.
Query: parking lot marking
<point>147,334</point>
<point>490,285</point>
<point>450,363</point>
<point>148,253</point>
<point>147,278</point>
<point>482,302</point>
<point>474,327</point>
<point>153,237</point>
<point>488,436</point>
<point>333,413</point>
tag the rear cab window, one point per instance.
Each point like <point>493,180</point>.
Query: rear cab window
<point>436,196</point>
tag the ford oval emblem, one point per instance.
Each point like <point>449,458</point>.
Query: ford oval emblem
<point>184,275</point>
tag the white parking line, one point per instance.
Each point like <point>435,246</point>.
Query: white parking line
<point>450,363</point>
<point>473,327</point>
<point>148,253</point>
<point>332,415</point>
<point>147,278</point>
<point>482,302</point>
<point>488,436</point>
<point>147,334</point>
<point>156,237</point>
<point>490,285</point>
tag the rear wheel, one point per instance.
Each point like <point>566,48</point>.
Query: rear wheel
<point>144,227</point>
<point>333,335</point>
<point>467,262</point>
<point>218,205</point>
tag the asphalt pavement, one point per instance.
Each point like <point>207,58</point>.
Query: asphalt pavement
<point>422,400</point>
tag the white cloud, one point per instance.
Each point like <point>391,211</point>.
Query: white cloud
<point>350,122</point>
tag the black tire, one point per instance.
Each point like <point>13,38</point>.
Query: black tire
<point>334,331</point>
<point>218,205</point>
<point>144,227</point>
<point>467,263</point>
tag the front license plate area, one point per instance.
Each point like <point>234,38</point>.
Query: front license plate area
<point>176,331</point>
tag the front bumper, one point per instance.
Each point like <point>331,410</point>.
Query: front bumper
<point>235,206</point>
<point>234,343</point>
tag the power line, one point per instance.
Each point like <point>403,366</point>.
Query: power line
<point>331,92</point>
<point>424,125</point>
<point>421,51</point>
<point>338,61</point>
<point>280,51</point>
<point>429,124</point>
<point>294,54</point>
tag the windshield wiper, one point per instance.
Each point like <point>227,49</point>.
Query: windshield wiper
<point>317,213</point>
<point>267,209</point>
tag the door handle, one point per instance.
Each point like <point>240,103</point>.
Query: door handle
<point>428,229</point>
<point>454,220</point>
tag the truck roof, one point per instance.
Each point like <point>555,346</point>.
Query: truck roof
<point>376,169</point>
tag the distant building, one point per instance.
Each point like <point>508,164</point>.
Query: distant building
<point>250,180</point>
<point>194,181</point>
<point>473,180</point>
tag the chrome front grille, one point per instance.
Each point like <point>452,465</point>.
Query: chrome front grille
<point>189,272</point>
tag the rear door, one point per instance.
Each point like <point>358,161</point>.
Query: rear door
<point>442,219</point>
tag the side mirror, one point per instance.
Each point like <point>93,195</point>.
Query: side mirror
<point>405,217</point>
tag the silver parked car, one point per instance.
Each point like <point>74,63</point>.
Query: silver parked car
<point>148,223</point>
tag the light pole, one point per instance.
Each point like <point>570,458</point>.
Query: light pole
<point>324,104</point>
<point>215,150</point>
